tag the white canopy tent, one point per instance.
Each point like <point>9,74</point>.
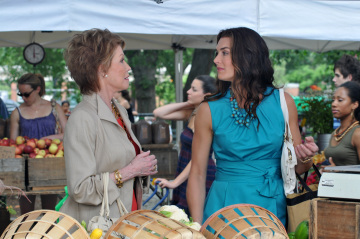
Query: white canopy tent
<point>145,24</point>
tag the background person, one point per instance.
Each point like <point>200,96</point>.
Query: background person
<point>202,85</point>
<point>344,146</point>
<point>98,136</point>
<point>65,105</point>
<point>244,124</point>
<point>4,114</point>
<point>35,118</point>
<point>124,99</point>
<point>347,68</point>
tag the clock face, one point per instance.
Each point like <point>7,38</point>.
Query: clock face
<point>34,53</point>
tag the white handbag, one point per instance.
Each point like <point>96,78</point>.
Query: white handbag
<point>288,156</point>
<point>103,221</point>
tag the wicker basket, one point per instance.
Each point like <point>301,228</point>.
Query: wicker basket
<point>146,224</point>
<point>243,221</point>
<point>45,224</point>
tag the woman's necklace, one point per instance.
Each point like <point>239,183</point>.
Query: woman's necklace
<point>117,115</point>
<point>339,136</point>
<point>239,114</point>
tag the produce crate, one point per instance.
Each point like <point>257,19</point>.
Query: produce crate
<point>46,173</point>
<point>167,159</point>
<point>334,219</point>
<point>12,170</point>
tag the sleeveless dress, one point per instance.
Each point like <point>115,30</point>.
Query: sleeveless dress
<point>179,193</point>
<point>247,159</point>
<point>344,153</point>
<point>38,127</point>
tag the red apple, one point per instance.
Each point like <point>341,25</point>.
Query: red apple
<point>32,155</point>
<point>21,146</point>
<point>18,150</point>
<point>5,142</point>
<point>31,143</point>
<point>47,142</point>
<point>18,156</point>
<point>56,141</point>
<point>53,148</point>
<point>41,144</point>
<point>20,140</point>
<point>26,138</point>
<point>12,141</point>
<point>28,149</point>
<point>61,147</point>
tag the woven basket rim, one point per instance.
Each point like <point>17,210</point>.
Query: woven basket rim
<point>21,217</point>
<point>206,223</point>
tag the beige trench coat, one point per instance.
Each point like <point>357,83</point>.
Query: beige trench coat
<point>94,143</point>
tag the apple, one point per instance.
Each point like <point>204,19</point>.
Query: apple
<point>20,140</point>
<point>32,155</point>
<point>5,142</point>
<point>18,150</point>
<point>60,154</point>
<point>36,150</point>
<point>56,141</point>
<point>53,148</point>
<point>47,142</point>
<point>39,156</point>
<point>41,144</point>
<point>21,146</point>
<point>12,141</point>
<point>61,147</point>
<point>31,143</point>
<point>28,149</point>
<point>49,156</point>
<point>18,156</point>
<point>42,152</point>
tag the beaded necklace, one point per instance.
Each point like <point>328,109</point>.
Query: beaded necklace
<point>339,136</point>
<point>240,115</point>
<point>118,117</point>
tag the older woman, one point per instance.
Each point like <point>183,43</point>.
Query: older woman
<point>98,136</point>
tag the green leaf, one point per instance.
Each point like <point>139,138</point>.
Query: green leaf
<point>83,223</point>
<point>166,213</point>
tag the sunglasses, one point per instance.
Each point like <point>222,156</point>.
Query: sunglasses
<point>26,95</point>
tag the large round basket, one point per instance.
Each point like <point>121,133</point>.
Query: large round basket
<point>45,224</point>
<point>144,224</point>
<point>243,221</point>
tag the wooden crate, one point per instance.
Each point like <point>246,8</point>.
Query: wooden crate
<point>12,172</point>
<point>334,219</point>
<point>46,173</point>
<point>167,158</point>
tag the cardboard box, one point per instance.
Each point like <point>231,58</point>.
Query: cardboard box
<point>46,173</point>
<point>334,219</point>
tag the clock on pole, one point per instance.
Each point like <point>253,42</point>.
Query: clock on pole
<point>34,53</point>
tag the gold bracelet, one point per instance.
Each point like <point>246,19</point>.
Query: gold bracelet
<point>307,159</point>
<point>119,182</point>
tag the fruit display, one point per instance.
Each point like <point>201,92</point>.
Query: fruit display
<point>35,148</point>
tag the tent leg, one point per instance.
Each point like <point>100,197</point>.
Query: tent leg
<point>179,88</point>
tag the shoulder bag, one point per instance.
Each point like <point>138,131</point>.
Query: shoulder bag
<point>103,221</point>
<point>288,156</point>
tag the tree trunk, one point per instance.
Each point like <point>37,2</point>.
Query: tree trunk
<point>143,65</point>
<point>202,63</point>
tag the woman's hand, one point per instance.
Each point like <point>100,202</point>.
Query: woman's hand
<point>332,164</point>
<point>306,150</point>
<point>164,183</point>
<point>144,164</point>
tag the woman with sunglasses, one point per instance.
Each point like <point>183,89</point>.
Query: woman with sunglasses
<point>35,118</point>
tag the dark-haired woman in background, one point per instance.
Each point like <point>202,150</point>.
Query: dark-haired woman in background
<point>124,99</point>
<point>344,146</point>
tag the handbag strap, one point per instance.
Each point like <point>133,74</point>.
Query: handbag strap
<point>287,134</point>
<point>303,180</point>
<point>105,210</point>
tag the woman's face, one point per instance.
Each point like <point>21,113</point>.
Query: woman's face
<point>65,107</point>
<point>196,93</point>
<point>223,61</point>
<point>118,73</point>
<point>342,105</point>
<point>29,94</point>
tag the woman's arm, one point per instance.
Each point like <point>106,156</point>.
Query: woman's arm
<point>182,177</point>
<point>14,124</point>
<point>305,150</point>
<point>356,141</point>
<point>174,111</point>
<point>201,145</point>
<point>62,120</point>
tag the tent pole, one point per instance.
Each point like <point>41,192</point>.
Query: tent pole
<point>178,88</point>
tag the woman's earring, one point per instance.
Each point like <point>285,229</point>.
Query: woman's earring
<point>106,76</point>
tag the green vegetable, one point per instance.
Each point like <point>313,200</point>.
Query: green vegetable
<point>302,230</point>
<point>166,213</point>
<point>83,223</point>
<point>291,235</point>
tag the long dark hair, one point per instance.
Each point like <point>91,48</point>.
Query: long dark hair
<point>353,89</point>
<point>208,83</point>
<point>253,69</point>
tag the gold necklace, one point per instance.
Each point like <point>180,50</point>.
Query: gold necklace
<point>117,115</point>
<point>339,136</point>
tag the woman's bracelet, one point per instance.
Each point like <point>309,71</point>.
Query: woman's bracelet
<point>119,182</point>
<point>306,160</point>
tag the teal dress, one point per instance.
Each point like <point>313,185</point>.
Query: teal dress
<point>247,159</point>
